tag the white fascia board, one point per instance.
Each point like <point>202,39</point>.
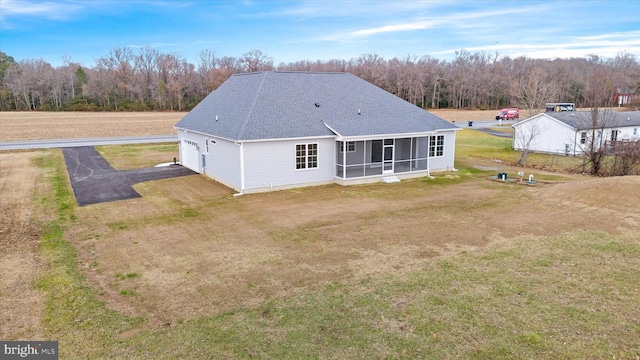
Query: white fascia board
<point>203,134</point>
<point>452,129</point>
<point>339,136</point>
<point>254,140</point>
<point>389,136</point>
<point>307,138</point>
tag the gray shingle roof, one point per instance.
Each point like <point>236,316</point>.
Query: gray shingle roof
<point>612,119</point>
<point>275,105</point>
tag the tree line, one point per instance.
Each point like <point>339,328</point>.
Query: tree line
<point>146,79</point>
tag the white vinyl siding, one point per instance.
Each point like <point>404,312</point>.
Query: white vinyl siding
<point>222,163</point>
<point>444,162</point>
<point>552,136</point>
<point>273,164</point>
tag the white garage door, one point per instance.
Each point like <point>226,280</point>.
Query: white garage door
<point>190,155</point>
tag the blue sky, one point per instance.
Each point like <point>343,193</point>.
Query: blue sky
<point>84,30</point>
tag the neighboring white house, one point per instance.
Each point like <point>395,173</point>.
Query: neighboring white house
<point>274,130</point>
<point>569,133</point>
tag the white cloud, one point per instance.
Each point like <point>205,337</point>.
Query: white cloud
<point>449,21</point>
<point>394,28</point>
<point>356,9</point>
<point>67,9</point>
<point>606,45</point>
<point>46,9</point>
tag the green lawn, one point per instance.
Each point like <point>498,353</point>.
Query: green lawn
<point>473,144</point>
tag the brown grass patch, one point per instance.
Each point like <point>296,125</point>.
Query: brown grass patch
<point>461,116</point>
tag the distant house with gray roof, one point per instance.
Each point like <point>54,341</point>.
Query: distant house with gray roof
<point>275,130</point>
<point>570,132</point>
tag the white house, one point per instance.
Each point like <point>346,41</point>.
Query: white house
<point>274,130</point>
<point>570,132</point>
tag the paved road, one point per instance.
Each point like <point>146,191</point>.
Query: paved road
<point>66,143</point>
<point>485,126</point>
<point>95,181</point>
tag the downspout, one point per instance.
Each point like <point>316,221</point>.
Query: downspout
<point>180,147</point>
<point>241,169</point>
<point>428,156</point>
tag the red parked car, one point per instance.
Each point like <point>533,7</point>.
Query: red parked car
<point>508,114</point>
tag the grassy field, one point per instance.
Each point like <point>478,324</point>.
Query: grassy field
<point>38,125</point>
<point>451,267</point>
<point>474,147</point>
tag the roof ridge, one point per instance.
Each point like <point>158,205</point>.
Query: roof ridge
<point>293,72</point>
<point>253,104</point>
<point>312,72</point>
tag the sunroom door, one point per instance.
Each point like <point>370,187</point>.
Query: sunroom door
<point>387,156</point>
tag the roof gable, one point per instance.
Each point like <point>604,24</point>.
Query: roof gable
<point>272,105</point>
<point>541,116</point>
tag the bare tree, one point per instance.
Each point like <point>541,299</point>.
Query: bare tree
<point>595,149</point>
<point>600,117</point>
<point>626,157</point>
<point>256,60</point>
<point>105,84</point>
<point>370,67</point>
<point>145,63</point>
<point>206,67</point>
<point>457,74</point>
<point>142,79</point>
<point>122,58</point>
<point>525,136</point>
<point>532,90</point>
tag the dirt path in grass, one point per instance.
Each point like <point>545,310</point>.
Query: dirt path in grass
<point>21,304</point>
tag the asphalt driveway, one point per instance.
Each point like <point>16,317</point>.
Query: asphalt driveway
<point>95,181</point>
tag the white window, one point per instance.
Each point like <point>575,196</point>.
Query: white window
<point>614,135</point>
<point>192,143</point>
<point>436,146</point>
<point>306,156</point>
<point>583,137</point>
<point>206,146</point>
<point>351,146</point>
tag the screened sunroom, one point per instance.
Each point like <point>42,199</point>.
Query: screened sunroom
<point>365,158</point>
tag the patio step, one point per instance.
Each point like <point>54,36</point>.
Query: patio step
<point>390,179</point>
